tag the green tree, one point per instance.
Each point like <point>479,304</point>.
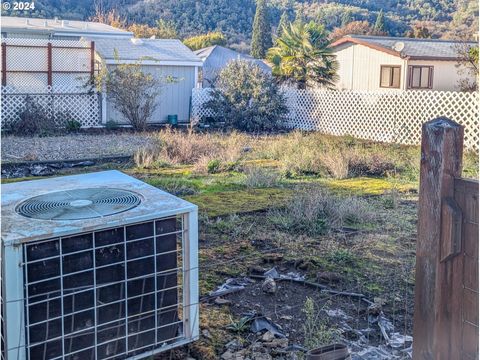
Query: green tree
<point>165,30</point>
<point>302,56</point>
<point>347,17</point>
<point>262,35</point>
<point>380,22</point>
<point>283,23</point>
<point>467,65</point>
<point>247,98</point>
<point>205,40</point>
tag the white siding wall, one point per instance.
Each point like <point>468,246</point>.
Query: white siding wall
<point>445,74</point>
<point>360,67</point>
<point>174,98</point>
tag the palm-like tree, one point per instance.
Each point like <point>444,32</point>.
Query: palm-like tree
<point>301,55</point>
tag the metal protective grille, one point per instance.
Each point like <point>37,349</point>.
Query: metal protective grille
<point>107,294</point>
<point>78,204</point>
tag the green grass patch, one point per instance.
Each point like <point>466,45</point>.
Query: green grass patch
<point>368,186</point>
<point>242,201</point>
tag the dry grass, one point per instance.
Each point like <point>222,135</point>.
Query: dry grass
<point>296,153</point>
<point>337,157</point>
<point>257,177</point>
<point>176,147</point>
<point>316,211</point>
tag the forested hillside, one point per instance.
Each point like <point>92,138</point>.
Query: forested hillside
<point>443,18</point>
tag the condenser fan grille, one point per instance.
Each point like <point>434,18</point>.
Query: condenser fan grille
<point>78,204</point>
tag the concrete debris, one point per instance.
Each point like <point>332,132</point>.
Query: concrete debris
<point>221,301</point>
<point>268,336</point>
<point>206,334</point>
<point>277,343</point>
<point>274,274</point>
<point>40,170</point>
<point>43,169</point>
<point>234,345</point>
<point>261,323</point>
<point>269,286</point>
<point>338,313</point>
<point>261,356</point>
<point>230,286</point>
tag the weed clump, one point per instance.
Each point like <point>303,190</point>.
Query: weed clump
<point>208,153</point>
<point>316,212</point>
<point>257,177</point>
<point>315,329</point>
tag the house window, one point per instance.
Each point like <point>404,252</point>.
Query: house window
<point>420,77</point>
<point>390,76</point>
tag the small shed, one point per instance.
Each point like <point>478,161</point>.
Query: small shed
<point>216,57</point>
<point>160,57</point>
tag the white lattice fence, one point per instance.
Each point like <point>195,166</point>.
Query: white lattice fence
<point>60,102</point>
<point>380,116</point>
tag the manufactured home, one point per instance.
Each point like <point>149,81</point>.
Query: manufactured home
<point>397,63</point>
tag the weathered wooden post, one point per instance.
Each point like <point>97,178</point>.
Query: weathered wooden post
<point>441,163</point>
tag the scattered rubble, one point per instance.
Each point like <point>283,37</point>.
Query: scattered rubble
<point>40,169</point>
<point>269,286</point>
<point>377,340</point>
<point>230,286</point>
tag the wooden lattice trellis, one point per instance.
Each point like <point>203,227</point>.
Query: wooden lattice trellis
<point>61,102</point>
<point>394,116</point>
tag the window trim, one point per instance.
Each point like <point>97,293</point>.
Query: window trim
<point>392,67</point>
<point>430,77</point>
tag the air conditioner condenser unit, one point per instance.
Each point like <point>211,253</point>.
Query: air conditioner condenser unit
<point>96,266</point>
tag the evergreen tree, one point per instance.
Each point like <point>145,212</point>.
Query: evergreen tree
<point>284,21</point>
<point>261,35</point>
<point>347,17</point>
<point>380,22</point>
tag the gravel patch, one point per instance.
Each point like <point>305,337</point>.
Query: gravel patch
<point>71,147</point>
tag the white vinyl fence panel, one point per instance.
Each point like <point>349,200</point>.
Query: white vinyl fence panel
<point>380,116</point>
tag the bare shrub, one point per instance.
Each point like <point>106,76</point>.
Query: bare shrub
<point>257,177</point>
<point>133,92</point>
<point>33,120</point>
